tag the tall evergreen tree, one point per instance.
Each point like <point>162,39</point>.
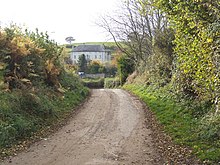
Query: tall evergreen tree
<point>82,63</point>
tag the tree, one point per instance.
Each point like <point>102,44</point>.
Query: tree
<point>134,28</point>
<point>69,39</point>
<point>125,67</point>
<point>141,32</point>
<point>82,63</point>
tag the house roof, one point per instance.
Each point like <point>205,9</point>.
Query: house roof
<point>89,48</point>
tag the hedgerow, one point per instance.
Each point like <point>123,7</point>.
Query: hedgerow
<point>35,89</point>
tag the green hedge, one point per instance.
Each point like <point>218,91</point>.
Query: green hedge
<point>94,83</point>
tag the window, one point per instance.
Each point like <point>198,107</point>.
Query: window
<point>74,56</point>
<point>100,56</point>
<point>95,56</point>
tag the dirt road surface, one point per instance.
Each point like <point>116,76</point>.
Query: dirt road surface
<point>109,129</point>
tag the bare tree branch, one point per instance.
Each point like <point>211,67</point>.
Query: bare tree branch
<point>133,28</point>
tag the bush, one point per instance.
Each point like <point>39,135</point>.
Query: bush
<point>111,83</point>
<point>125,67</point>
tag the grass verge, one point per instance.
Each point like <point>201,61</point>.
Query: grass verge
<point>182,122</point>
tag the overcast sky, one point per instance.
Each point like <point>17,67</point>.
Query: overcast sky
<point>61,18</point>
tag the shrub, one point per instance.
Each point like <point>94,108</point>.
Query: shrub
<point>111,83</point>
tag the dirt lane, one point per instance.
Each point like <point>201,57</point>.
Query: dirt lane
<point>109,129</point>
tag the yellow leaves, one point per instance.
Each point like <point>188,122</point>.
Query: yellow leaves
<point>95,62</point>
<point>185,71</point>
<point>20,45</point>
<point>2,37</point>
<point>29,56</point>
<point>2,65</point>
<point>26,81</point>
<point>49,65</point>
<point>51,68</point>
<point>23,46</point>
<point>61,90</point>
<point>39,50</point>
<point>52,73</point>
<point>209,40</point>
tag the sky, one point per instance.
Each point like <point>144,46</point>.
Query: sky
<point>60,18</point>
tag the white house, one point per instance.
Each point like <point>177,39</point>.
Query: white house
<point>91,52</point>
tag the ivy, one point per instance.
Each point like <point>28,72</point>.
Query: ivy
<point>196,24</point>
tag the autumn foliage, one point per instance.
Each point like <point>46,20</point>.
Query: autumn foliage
<point>36,91</point>
<point>28,58</point>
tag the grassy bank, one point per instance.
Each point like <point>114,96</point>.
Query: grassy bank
<point>25,113</point>
<point>185,121</point>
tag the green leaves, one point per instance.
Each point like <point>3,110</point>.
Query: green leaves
<point>196,41</point>
<point>125,67</point>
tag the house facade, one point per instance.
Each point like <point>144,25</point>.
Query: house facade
<point>92,53</point>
